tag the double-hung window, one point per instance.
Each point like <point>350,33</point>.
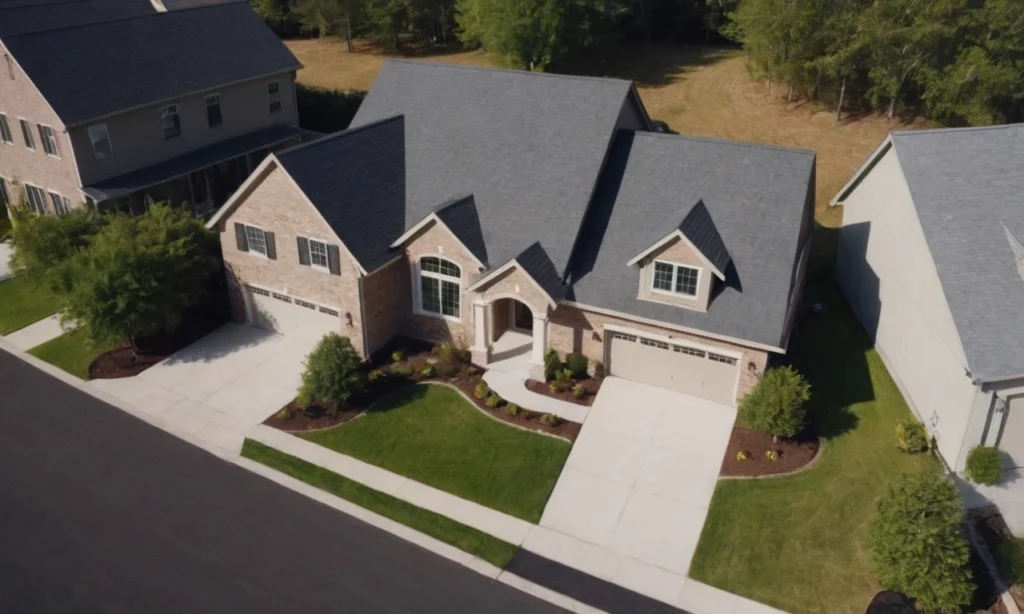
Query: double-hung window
<point>5,130</point>
<point>675,278</point>
<point>36,199</point>
<point>26,133</point>
<point>102,147</point>
<point>256,239</point>
<point>5,195</point>
<point>170,121</point>
<point>440,286</point>
<point>61,205</point>
<point>274,96</point>
<point>49,140</point>
<point>318,255</point>
<point>213,112</point>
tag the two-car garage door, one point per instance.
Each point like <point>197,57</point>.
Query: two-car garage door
<point>677,367</point>
<point>292,317</point>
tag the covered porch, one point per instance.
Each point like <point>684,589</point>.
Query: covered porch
<point>510,337</point>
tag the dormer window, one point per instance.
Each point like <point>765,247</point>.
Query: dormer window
<point>673,278</point>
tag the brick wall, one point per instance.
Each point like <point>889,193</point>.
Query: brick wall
<point>499,318</point>
<point>277,206</point>
<point>516,283</point>
<point>573,329</point>
<point>386,302</point>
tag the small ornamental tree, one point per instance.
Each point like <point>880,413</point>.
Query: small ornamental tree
<point>778,405</point>
<point>984,465</point>
<point>917,543</point>
<point>43,243</point>
<point>138,275</point>
<point>333,372</point>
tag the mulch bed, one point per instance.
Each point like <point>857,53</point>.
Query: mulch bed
<point>123,362</point>
<point>792,454</point>
<point>590,384</point>
<point>991,528</point>
<point>465,379</point>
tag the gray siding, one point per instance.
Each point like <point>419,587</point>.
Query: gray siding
<point>887,273</point>
<point>137,139</point>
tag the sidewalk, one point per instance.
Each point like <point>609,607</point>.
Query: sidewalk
<point>36,334</point>
<point>663,585</point>
<point>512,388</point>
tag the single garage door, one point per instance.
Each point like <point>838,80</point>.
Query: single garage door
<point>1011,441</point>
<point>292,317</point>
<point>677,367</point>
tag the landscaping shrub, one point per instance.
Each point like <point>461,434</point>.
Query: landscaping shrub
<point>465,355</point>
<point>552,364</point>
<point>984,465</point>
<point>777,405</point>
<point>550,420</point>
<point>398,356</point>
<point>557,386</point>
<point>911,436</point>
<point>742,455</point>
<point>578,364</point>
<point>284,414</point>
<point>512,409</point>
<point>376,374</point>
<point>771,455</point>
<point>447,361</point>
<point>598,369</point>
<point>471,371</point>
<point>578,391</point>
<point>333,372</point>
<point>42,243</point>
<point>402,370</point>
<point>917,543</point>
<point>427,372</point>
<point>493,400</point>
<point>564,375</point>
<point>481,390</point>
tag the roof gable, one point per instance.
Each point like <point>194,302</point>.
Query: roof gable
<point>459,216</point>
<point>536,264</point>
<point>698,230</point>
<point>147,59</point>
<point>528,146</point>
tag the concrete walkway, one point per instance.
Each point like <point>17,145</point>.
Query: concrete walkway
<point>36,334</point>
<point>507,374</point>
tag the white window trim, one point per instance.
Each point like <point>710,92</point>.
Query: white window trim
<point>160,116</point>
<point>250,251</point>
<point>56,146</point>
<point>32,147</point>
<point>417,299</point>
<point>206,107</point>
<point>270,101</point>
<point>52,193</point>
<point>29,201</point>
<point>317,267</point>
<point>8,119</point>
<point>675,272</point>
<point>110,141</point>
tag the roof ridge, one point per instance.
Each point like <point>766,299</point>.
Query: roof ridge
<point>708,139</point>
<point>955,129</point>
<point>154,14</point>
<point>336,135</point>
<point>507,70</point>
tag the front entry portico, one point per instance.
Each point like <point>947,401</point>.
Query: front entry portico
<point>506,328</point>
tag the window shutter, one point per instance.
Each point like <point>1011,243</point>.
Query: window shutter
<point>240,239</point>
<point>271,244</point>
<point>304,251</point>
<point>333,260</point>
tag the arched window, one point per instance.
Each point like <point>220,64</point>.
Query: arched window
<point>440,286</point>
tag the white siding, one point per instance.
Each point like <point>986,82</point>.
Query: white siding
<point>886,271</point>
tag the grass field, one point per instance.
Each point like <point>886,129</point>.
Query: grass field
<point>24,302</point>
<point>433,435</point>
<point>72,352</point>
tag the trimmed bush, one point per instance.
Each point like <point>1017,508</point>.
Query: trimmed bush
<point>465,355</point>
<point>778,405</point>
<point>493,400</point>
<point>471,371</point>
<point>742,455</point>
<point>984,465</point>
<point>398,355</point>
<point>284,414</point>
<point>578,364</point>
<point>402,370</point>
<point>375,375</point>
<point>448,362</point>
<point>481,390</point>
<point>911,436</point>
<point>557,386</point>
<point>333,372</point>
<point>917,543</point>
<point>550,420</point>
<point>552,364</point>
<point>512,409</point>
<point>564,375</point>
<point>427,372</point>
<point>578,391</point>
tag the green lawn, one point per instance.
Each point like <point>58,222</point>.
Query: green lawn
<point>71,351</point>
<point>800,543</point>
<point>489,548</point>
<point>433,435</point>
<point>23,302</point>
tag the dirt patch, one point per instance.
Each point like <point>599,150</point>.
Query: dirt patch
<point>791,454</point>
<point>123,362</point>
<point>591,386</point>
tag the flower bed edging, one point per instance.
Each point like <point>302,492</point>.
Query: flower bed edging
<point>810,464</point>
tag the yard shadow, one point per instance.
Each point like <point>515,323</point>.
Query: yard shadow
<point>646,64</point>
<point>398,398</point>
<point>224,341</point>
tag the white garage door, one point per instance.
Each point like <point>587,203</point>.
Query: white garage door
<point>677,367</point>
<point>1011,442</point>
<point>301,320</point>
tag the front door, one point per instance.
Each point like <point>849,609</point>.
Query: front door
<point>522,317</point>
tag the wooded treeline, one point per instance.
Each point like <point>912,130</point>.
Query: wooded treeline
<point>956,61</point>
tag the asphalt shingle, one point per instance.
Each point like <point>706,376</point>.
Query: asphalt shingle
<point>461,217</point>
<point>17,18</point>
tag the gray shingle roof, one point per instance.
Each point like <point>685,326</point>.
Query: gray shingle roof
<point>91,71</point>
<point>536,262</point>
<point>356,179</point>
<point>758,199</point>
<point>528,146</point>
<point>461,217</point>
<point>966,185</point>
<point>22,18</point>
<point>695,222</point>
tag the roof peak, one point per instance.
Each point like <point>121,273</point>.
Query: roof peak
<point>103,22</point>
<point>911,132</point>
<point>337,135</point>
<point>615,80</point>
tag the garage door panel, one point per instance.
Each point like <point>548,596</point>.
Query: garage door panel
<point>292,317</point>
<point>675,367</point>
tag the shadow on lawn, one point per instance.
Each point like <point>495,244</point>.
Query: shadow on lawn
<point>646,64</point>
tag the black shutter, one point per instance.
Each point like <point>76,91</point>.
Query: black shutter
<point>271,245</point>
<point>333,260</point>
<point>240,239</point>
<point>304,251</point>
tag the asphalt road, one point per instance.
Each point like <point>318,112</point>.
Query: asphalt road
<point>100,512</point>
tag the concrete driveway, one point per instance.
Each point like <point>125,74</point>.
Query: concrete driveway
<point>220,386</point>
<point>640,477</point>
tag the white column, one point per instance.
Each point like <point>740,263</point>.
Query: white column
<point>540,340</point>
<point>480,326</point>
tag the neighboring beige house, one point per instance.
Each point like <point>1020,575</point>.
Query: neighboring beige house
<point>467,202</point>
<point>930,259</point>
<point>122,103</point>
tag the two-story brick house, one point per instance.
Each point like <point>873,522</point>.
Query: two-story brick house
<point>123,103</point>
